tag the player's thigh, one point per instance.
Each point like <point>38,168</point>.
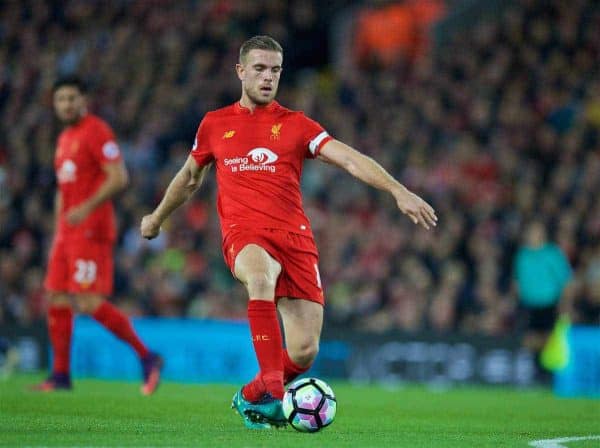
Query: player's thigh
<point>302,323</point>
<point>59,299</point>
<point>90,268</point>
<point>300,276</point>
<point>253,261</point>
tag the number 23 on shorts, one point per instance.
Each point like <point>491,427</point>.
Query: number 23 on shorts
<point>85,272</point>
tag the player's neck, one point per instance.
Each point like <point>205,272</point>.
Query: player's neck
<point>247,103</point>
<point>76,121</point>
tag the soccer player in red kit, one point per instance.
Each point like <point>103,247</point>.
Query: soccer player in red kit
<point>89,171</point>
<point>258,148</point>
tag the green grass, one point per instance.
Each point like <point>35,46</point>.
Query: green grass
<point>101,413</point>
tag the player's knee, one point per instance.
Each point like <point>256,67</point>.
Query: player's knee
<point>88,304</point>
<point>305,353</point>
<point>261,285</point>
<point>59,300</point>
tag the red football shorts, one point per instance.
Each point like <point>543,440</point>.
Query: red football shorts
<point>80,267</point>
<point>297,255</point>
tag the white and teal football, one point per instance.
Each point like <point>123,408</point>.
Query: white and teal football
<point>309,405</point>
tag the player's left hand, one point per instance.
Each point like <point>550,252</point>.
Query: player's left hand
<point>78,213</point>
<point>419,211</point>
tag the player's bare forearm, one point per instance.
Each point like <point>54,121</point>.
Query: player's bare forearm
<point>185,183</point>
<point>177,193</point>
<point>360,166</point>
<point>115,181</point>
<point>182,187</point>
<point>372,173</point>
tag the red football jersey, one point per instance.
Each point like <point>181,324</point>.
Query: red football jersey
<point>82,149</point>
<point>259,156</point>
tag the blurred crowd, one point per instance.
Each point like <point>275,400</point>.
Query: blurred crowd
<point>496,127</point>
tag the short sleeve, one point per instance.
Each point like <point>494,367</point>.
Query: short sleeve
<point>314,136</point>
<point>201,148</point>
<point>103,145</point>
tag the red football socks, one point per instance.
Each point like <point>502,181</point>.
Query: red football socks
<point>118,323</point>
<point>255,389</point>
<point>291,370</point>
<point>266,337</point>
<point>60,329</point>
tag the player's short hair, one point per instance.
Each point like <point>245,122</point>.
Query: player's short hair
<point>70,81</point>
<point>259,43</point>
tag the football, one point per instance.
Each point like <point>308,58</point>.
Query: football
<point>309,405</point>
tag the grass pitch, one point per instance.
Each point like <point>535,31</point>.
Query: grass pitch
<point>101,413</point>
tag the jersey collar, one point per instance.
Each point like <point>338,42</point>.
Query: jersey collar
<point>273,105</point>
<point>79,122</point>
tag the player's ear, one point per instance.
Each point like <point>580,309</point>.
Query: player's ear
<point>239,68</point>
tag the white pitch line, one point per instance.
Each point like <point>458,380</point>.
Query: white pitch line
<point>556,443</point>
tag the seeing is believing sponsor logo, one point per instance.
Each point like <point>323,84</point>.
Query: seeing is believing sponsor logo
<point>257,159</point>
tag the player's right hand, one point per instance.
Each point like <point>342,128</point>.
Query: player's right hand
<point>150,227</point>
<point>419,211</point>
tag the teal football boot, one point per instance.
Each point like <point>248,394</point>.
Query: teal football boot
<point>263,414</point>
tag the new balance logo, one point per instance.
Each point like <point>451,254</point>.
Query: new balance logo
<point>228,134</point>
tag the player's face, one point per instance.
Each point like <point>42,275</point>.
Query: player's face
<point>69,104</point>
<point>260,73</point>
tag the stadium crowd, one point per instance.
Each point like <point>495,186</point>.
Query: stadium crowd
<point>495,127</point>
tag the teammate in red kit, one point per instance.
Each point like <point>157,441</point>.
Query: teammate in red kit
<point>258,148</point>
<point>89,171</point>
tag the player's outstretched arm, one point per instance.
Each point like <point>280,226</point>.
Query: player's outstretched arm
<point>369,171</point>
<point>182,187</point>
<point>116,180</point>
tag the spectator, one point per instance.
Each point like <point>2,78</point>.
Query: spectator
<point>394,31</point>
